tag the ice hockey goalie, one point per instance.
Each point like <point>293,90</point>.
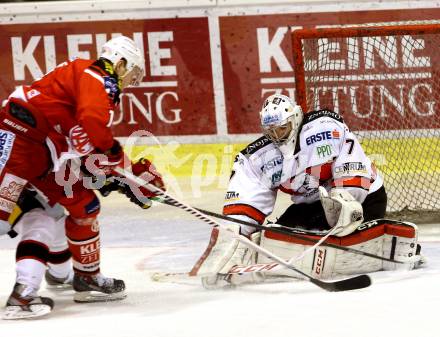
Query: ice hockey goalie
<point>336,192</point>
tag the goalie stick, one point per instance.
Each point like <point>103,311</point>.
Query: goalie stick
<point>357,282</point>
<point>287,231</point>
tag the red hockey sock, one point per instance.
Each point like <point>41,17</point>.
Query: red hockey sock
<point>84,244</point>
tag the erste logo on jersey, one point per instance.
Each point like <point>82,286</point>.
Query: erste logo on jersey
<point>324,135</point>
<point>271,164</point>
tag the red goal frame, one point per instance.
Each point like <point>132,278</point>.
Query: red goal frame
<point>344,32</point>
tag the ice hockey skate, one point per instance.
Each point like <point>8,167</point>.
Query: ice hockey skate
<point>24,303</point>
<point>97,288</point>
<point>58,283</point>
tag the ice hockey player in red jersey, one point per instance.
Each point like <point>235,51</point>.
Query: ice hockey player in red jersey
<point>316,159</point>
<point>43,249</point>
<point>66,115</point>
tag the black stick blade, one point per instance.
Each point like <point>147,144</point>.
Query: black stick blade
<point>357,282</point>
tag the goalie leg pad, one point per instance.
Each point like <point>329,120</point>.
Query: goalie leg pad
<point>249,257</point>
<point>390,239</point>
<point>220,250</point>
<point>222,253</point>
<point>402,248</point>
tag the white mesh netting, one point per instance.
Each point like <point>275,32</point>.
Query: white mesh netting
<point>385,82</point>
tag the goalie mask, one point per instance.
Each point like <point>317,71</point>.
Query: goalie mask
<point>280,120</point>
<point>122,47</point>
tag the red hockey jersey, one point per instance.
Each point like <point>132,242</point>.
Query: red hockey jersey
<point>77,99</point>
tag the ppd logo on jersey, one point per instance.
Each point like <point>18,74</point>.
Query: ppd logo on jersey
<point>325,135</point>
<point>324,151</point>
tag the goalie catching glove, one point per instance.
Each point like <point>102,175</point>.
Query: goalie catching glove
<point>341,210</point>
<point>140,196</point>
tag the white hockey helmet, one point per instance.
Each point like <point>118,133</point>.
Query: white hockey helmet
<point>122,47</point>
<point>280,119</point>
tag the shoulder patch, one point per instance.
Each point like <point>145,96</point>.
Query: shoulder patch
<point>112,88</point>
<point>256,145</point>
<point>111,82</point>
<point>313,115</point>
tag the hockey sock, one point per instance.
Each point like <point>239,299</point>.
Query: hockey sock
<point>84,244</point>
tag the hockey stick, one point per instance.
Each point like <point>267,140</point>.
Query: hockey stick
<point>287,231</point>
<point>357,282</point>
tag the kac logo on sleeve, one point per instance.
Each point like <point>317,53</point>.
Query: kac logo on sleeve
<point>6,141</point>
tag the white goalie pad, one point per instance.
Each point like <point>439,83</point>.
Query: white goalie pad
<point>386,238</point>
<point>223,252</point>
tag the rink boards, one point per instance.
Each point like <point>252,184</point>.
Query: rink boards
<point>186,160</point>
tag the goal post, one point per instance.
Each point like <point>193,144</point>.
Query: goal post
<point>384,79</point>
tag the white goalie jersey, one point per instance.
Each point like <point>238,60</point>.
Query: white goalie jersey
<point>327,154</point>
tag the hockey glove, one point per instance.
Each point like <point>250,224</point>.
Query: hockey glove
<point>105,161</point>
<point>140,196</point>
<point>342,210</point>
<point>118,184</point>
<point>144,169</point>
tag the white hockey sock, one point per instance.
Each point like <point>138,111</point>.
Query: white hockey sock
<point>60,270</point>
<point>30,272</point>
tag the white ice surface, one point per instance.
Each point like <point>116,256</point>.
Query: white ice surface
<point>137,243</point>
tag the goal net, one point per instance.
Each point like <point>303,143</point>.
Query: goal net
<point>385,82</point>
